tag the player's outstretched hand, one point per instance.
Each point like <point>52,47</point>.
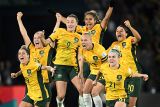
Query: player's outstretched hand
<point>19,15</point>
<point>127,23</point>
<point>145,77</point>
<point>13,75</point>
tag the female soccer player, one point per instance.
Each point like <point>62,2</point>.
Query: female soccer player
<point>38,52</point>
<point>66,61</point>
<point>95,27</point>
<point>94,54</point>
<point>127,46</point>
<point>93,24</point>
<point>37,95</point>
<point>115,75</point>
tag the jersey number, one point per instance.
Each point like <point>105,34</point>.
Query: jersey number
<point>131,88</point>
<point>26,80</point>
<point>68,44</point>
<point>112,84</point>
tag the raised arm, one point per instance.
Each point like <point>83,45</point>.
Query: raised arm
<point>108,14</point>
<point>135,33</point>
<point>58,22</point>
<point>63,19</point>
<point>22,29</point>
<point>49,41</point>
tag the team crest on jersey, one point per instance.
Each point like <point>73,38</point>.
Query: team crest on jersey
<point>95,58</point>
<point>124,44</point>
<point>93,32</point>
<point>76,40</point>
<point>28,72</point>
<point>41,52</point>
<point>119,77</point>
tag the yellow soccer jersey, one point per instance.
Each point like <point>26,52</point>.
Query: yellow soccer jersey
<point>115,79</point>
<point>95,57</point>
<point>67,47</point>
<point>34,81</point>
<point>95,31</point>
<point>128,51</point>
<point>43,56</point>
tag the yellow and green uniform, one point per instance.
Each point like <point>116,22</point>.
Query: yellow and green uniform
<point>36,89</point>
<point>66,59</point>
<point>43,56</point>
<point>94,57</point>
<point>128,51</point>
<point>96,32</point>
<point>67,47</point>
<point>115,81</point>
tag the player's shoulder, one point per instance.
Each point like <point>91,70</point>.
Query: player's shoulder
<point>129,38</point>
<point>97,45</point>
<point>115,43</point>
<point>77,35</point>
<point>97,25</point>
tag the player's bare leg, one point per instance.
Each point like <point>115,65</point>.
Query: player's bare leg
<point>61,87</point>
<point>95,94</point>
<point>79,86</point>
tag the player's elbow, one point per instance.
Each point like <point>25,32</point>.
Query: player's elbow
<point>139,38</point>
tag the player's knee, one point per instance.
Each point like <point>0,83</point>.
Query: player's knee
<point>80,90</point>
<point>132,101</point>
<point>94,92</point>
<point>120,104</point>
<point>131,104</point>
<point>86,90</point>
<point>60,97</point>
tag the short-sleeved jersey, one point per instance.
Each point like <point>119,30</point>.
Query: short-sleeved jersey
<point>115,79</point>
<point>36,89</point>
<point>96,32</point>
<point>67,47</point>
<point>94,57</point>
<point>43,56</point>
<point>128,52</point>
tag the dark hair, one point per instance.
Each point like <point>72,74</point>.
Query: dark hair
<point>124,27</point>
<point>74,16</point>
<point>94,14</point>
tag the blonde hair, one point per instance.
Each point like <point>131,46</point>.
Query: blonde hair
<point>87,34</point>
<point>24,47</point>
<point>116,51</point>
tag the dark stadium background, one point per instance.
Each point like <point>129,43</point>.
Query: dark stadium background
<point>143,14</point>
